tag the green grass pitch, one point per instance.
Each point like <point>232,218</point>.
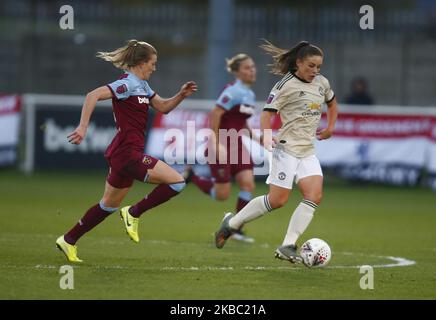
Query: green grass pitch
<point>176,257</point>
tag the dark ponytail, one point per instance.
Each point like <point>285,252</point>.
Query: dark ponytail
<point>286,60</point>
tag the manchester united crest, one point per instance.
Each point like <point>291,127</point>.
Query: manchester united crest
<point>321,91</point>
<point>282,176</point>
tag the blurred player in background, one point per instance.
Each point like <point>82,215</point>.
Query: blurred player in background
<point>297,98</point>
<point>234,106</point>
<point>359,92</point>
<point>131,97</point>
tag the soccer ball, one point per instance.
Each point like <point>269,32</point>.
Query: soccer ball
<point>315,253</point>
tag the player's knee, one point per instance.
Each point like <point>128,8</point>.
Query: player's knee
<point>109,202</point>
<point>277,201</point>
<point>222,194</point>
<point>179,186</point>
<point>109,206</point>
<point>314,197</point>
<point>318,199</point>
<point>248,186</point>
<point>222,191</point>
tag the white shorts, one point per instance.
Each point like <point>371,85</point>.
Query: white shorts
<point>284,168</point>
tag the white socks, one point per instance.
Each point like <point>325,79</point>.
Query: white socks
<point>253,210</point>
<point>299,221</point>
<point>257,207</point>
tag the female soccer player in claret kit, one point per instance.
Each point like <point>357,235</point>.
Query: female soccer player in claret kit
<point>297,98</point>
<point>233,107</point>
<point>131,98</point>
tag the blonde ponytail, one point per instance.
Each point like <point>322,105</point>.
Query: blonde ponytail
<point>132,54</point>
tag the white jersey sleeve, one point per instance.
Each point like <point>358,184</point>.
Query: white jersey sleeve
<point>329,95</point>
<point>276,100</point>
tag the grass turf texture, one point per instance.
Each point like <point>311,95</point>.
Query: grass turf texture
<point>176,257</point>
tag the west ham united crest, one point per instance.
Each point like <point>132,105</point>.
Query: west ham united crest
<point>121,89</point>
<point>225,99</point>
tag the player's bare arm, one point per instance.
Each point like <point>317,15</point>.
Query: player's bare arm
<point>101,93</point>
<point>332,115</point>
<point>265,124</point>
<point>251,134</point>
<point>215,120</point>
<point>166,105</point>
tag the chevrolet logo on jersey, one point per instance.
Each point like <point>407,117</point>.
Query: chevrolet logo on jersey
<point>313,109</point>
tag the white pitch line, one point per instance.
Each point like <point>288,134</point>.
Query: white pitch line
<point>400,262</point>
<point>397,262</point>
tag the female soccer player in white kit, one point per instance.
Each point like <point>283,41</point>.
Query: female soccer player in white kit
<point>297,97</point>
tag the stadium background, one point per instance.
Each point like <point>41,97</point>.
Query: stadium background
<point>193,38</point>
<point>48,70</point>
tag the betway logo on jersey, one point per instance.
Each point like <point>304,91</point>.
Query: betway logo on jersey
<point>247,109</point>
<point>143,100</point>
<point>55,138</point>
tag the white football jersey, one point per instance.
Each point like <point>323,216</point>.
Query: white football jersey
<point>299,104</point>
